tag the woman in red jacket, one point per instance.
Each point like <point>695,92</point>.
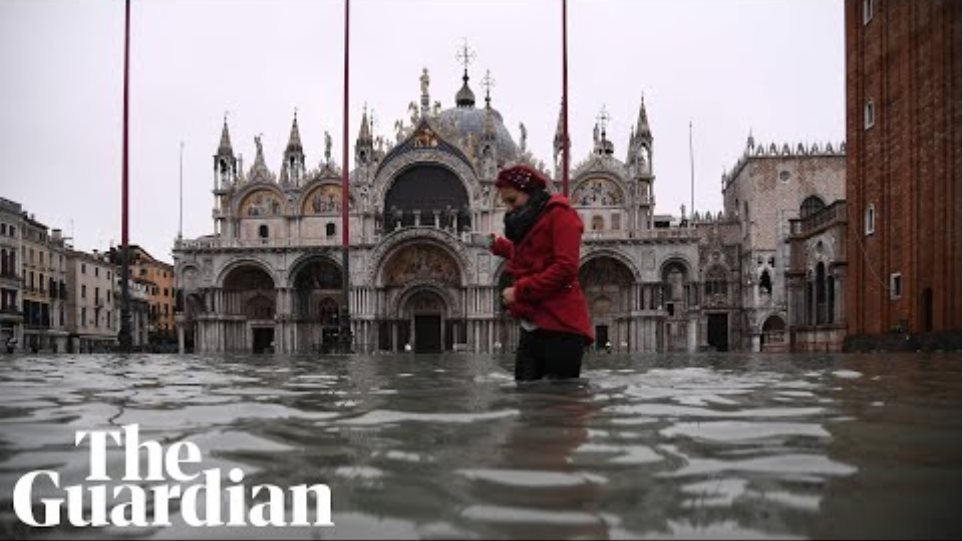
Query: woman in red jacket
<point>543,235</point>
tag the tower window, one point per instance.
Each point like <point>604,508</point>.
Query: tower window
<point>870,220</point>
<point>262,231</point>
<point>895,285</point>
<point>598,223</point>
<point>330,230</point>
<point>869,115</point>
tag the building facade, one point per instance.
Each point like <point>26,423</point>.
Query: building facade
<point>768,187</point>
<point>44,291</point>
<point>270,277</point>
<point>158,279</point>
<point>11,316</point>
<point>92,310</point>
<point>903,170</point>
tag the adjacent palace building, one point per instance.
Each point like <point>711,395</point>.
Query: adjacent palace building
<point>270,276</point>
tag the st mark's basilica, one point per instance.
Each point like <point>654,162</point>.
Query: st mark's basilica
<point>269,278</point>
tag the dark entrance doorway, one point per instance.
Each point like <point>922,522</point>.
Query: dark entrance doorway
<point>928,310</point>
<point>428,334</point>
<point>718,331</point>
<point>263,340</point>
<point>601,336</point>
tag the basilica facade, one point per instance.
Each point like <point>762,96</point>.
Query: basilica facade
<point>271,277</point>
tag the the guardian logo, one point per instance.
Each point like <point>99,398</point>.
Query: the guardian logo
<point>126,503</point>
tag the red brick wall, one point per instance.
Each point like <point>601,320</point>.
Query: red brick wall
<point>907,59</point>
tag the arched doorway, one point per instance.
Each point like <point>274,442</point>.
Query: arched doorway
<point>318,305</point>
<point>419,279</point>
<point>773,334</point>
<point>607,283</point>
<point>429,195</point>
<point>426,310</point>
<point>675,302</point>
<point>249,292</point>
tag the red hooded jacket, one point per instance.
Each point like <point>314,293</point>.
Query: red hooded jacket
<point>544,265</point>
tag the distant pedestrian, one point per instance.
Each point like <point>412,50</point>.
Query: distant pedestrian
<point>543,237</point>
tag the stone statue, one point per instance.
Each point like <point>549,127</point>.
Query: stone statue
<point>524,139</point>
<point>327,146</point>
<point>424,81</point>
<point>257,143</point>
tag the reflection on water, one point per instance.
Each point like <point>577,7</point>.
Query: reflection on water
<point>448,446</point>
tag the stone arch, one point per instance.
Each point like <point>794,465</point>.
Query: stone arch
<point>678,261</point>
<point>773,323</point>
<point>390,171</point>
<point>449,306</point>
<point>607,283</point>
<point>401,238</point>
<point>246,261</point>
<point>616,255</point>
<point>305,259</point>
<point>188,277</point>
<point>811,205</point>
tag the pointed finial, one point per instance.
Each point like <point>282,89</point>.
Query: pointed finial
<point>465,56</point>
<point>603,118</point>
<point>488,82</point>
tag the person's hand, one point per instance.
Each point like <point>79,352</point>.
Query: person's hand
<point>508,295</point>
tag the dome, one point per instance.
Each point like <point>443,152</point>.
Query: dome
<point>462,121</point>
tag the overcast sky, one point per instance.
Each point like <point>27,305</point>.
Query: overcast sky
<point>775,67</point>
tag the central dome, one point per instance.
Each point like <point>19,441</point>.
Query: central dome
<point>462,121</point>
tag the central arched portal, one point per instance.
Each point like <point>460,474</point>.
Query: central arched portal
<point>422,284</point>
<point>607,283</point>
<point>250,297</point>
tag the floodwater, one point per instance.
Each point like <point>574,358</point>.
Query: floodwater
<point>447,446</point>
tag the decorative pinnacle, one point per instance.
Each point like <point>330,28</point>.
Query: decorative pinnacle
<point>603,118</point>
<point>488,83</point>
<point>465,56</point>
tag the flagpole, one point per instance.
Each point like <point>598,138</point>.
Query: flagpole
<point>124,337</point>
<point>345,320</point>
<point>565,147</point>
<point>691,174</point>
<point>180,219</point>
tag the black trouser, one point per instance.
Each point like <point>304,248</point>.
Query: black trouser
<point>548,354</point>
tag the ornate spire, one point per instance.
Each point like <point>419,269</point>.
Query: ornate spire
<point>224,148</point>
<point>465,97</point>
<point>642,125</point>
<point>364,133</point>
<point>294,140</point>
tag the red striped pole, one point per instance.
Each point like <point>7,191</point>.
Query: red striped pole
<point>345,321</point>
<point>565,98</point>
<point>124,337</point>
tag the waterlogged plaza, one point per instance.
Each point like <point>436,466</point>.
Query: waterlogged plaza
<point>445,446</point>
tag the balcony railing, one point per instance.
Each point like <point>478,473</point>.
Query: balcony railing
<point>828,215</point>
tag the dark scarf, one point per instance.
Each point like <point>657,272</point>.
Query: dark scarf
<point>519,221</point>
